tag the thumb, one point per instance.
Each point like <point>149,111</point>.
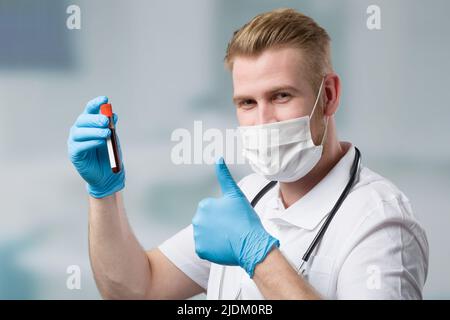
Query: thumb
<point>226,181</point>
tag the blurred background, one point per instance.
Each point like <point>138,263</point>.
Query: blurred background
<point>161,64</point>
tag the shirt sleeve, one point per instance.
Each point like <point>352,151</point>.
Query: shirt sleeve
<point>180,250</point>
<point>387,256</point>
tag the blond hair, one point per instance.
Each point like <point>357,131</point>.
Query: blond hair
<point>284,28</point>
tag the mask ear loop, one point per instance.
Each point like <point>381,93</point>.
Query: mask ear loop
<point>325,131</point>
<point>317,98</point>
<point>314,108</point>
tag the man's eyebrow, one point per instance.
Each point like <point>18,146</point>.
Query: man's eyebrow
<point>270,91</point>
<point>284,88</point>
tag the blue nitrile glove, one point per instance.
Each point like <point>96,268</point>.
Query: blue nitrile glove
<point>89,154</point>
<point>227,230</point>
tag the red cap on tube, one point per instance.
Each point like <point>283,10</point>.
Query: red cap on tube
<point>106,109</point>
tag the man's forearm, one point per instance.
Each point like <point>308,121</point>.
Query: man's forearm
<point>276,279</point>
<point>119,263</point>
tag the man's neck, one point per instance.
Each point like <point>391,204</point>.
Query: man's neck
<point>291,192</point>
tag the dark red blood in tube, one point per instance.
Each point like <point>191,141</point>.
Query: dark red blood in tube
<point>111,142</point>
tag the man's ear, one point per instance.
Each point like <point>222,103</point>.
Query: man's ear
<point>332,93</point>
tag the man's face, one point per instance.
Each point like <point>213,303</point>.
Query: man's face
<point>272,87</point>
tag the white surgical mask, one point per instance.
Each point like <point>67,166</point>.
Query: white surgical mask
<point>282,151</point>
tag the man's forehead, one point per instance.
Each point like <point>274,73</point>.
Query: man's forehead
<point>272,68</point>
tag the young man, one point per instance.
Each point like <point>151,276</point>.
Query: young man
<point>283,79</point>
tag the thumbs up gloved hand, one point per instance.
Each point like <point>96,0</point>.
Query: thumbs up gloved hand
<point>227,230</point>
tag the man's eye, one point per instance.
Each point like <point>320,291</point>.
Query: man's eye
<point>246,104</point>
<point>282,97</point>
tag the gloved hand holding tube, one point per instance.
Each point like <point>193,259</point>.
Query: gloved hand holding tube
<point>88,150</point>
<point>227,230</point>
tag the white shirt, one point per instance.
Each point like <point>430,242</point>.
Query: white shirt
<point>373,248</point>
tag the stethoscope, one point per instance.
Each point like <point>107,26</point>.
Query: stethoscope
<point>323,228</point>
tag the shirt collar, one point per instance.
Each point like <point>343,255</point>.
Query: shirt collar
<point>309,210</point>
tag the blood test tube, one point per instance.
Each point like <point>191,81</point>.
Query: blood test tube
<point>111,142</point>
